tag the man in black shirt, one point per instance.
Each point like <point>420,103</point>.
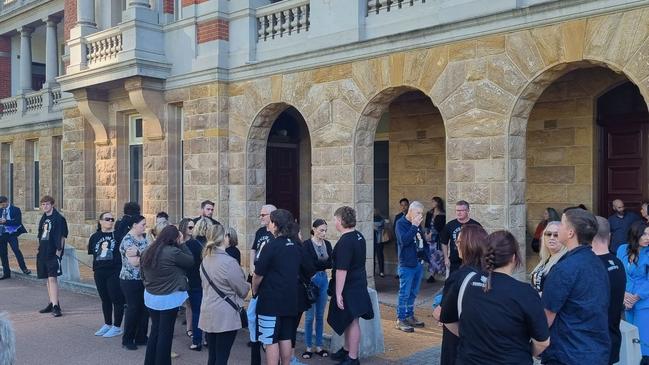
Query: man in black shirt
<point>617,281</point>
<point>52,231</point>
<point>448,236</point>
<point>207,210</point>
<point>262,237</point>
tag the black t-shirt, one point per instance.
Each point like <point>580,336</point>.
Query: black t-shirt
<point>262,237</point>
<point>234,252</point>
<point>52,229</point>
<point>104,249</point>
<point>279,263</point>
<point>496,326</point>
<point>349,254</point>
<point>193,274</point>
<point>617,279</point>
<point>214,221</point>
<point>449,235</point>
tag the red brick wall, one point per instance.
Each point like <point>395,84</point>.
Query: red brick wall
<point>69,17</point>
<point>168,6</point>
<point>211,30</point>
<point>5,67</point>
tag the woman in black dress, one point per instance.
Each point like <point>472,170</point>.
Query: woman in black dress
<point>350,299</point>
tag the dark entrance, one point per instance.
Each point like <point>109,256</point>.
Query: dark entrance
<point>622,118</point>
<point>288,165</point>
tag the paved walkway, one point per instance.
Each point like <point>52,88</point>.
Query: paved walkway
<point>69,340</point>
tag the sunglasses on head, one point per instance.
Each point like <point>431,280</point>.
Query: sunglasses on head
<point>552,234</point>
<point>109,219</point>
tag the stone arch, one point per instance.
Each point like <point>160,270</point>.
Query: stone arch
<point>363,155</point>
<point>517,129</point>
<point>255,158</point>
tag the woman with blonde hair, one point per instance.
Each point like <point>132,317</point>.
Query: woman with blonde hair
<point>200,229</point>
<point>551,251</point>
<point>155,231</point>
<point>224,287</point>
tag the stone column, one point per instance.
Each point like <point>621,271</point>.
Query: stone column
<point>25,58</point>
<point>86,13</point>
<point>51,52</point>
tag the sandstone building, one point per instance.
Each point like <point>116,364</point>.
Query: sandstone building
<point>513,105</point>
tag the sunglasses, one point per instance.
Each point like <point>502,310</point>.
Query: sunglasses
<point>551,234</point>
<point>190,227</point>
<point>109,219</point>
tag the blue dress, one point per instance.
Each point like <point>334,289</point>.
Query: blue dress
<point>637,282</point>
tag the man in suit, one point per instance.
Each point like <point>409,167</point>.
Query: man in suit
<point>11,226</point>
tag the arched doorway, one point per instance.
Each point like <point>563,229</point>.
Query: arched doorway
<point>401,139</point>
<point>585,140</point>
<point>288,166</point>
<point>622,120</point>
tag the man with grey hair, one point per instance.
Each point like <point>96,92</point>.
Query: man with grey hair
<point>617,281</point>
<point>262,237</point>
<point>410,239</point>
<point>7,341</point>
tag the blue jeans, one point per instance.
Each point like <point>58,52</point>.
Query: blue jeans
<point>317,311</point>
<point>195,298</point>
<point>409,282</point>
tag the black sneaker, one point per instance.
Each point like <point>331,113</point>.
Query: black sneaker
<point>349,361</point>
<point>56,311</point>
<point>130,346</point>
<point>404,326</point>
<point>47,309</point>
<point>414,322</point>
<point>339,355</point>
<point>27,271</point>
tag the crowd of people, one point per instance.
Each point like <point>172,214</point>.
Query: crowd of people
<point>588,266</point>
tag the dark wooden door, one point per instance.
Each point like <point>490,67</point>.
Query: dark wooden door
<point>282,176</point>
<point>623,164</point>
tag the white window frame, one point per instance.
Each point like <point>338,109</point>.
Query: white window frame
<point>36,173</point>
<point>134,140</point>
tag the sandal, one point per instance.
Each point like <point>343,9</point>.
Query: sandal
<point>307,355</point>
<point>190,333</point>
<point>323,353</point>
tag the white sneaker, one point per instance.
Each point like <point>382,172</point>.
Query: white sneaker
<point>113,331</point>
<point>102,331</point>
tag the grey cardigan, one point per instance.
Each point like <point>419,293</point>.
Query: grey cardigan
<point>168,275</point>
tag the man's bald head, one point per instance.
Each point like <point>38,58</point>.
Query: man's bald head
<point>618,207</point>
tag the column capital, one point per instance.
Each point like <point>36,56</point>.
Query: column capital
<point>25,30</point>
<point>52,20</point>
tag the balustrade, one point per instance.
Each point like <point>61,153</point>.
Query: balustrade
<point>283,19</point>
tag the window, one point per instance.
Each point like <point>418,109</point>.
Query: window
<point>6,172</point>
<point>135,157</point>
<point>36,175</point>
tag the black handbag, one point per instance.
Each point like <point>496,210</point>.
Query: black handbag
<point>312,292</point>
<point>243,315</point>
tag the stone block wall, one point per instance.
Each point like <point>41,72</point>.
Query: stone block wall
<point>20,142</point>
<point>562,147</point>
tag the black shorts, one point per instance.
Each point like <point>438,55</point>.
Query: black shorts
<point>274,329</point>
<point>48,267</point>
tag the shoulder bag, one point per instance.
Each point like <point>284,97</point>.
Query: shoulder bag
<point>243,315</point>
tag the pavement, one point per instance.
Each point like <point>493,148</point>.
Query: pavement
<point>43,339</point>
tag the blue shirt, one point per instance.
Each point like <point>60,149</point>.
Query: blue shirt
<point>620,228</point>
<point>166,301</point>
<point>637,275</point>
<point>577,290</point>
<point>410,240</point>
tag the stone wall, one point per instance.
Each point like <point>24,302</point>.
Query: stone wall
<point>22,146</point>
<point>562,151</point>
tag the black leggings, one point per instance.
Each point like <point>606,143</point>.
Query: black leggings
<point>136,321</point>
<point>219,345</point>
<point>158,349</point>
<point>107,282</point>
<point>294,334</point>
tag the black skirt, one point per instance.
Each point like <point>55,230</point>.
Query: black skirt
<point>357,305</point>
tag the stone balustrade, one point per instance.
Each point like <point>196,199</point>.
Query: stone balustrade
<point>380,6</point>
<point>283,19</point>
<point>103,47</point>
<point>36,106</point>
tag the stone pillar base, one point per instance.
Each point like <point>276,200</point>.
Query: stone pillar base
<point>371,332</point>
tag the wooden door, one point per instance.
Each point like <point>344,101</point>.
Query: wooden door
<point>282,176</point>
<point>623,164</point>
